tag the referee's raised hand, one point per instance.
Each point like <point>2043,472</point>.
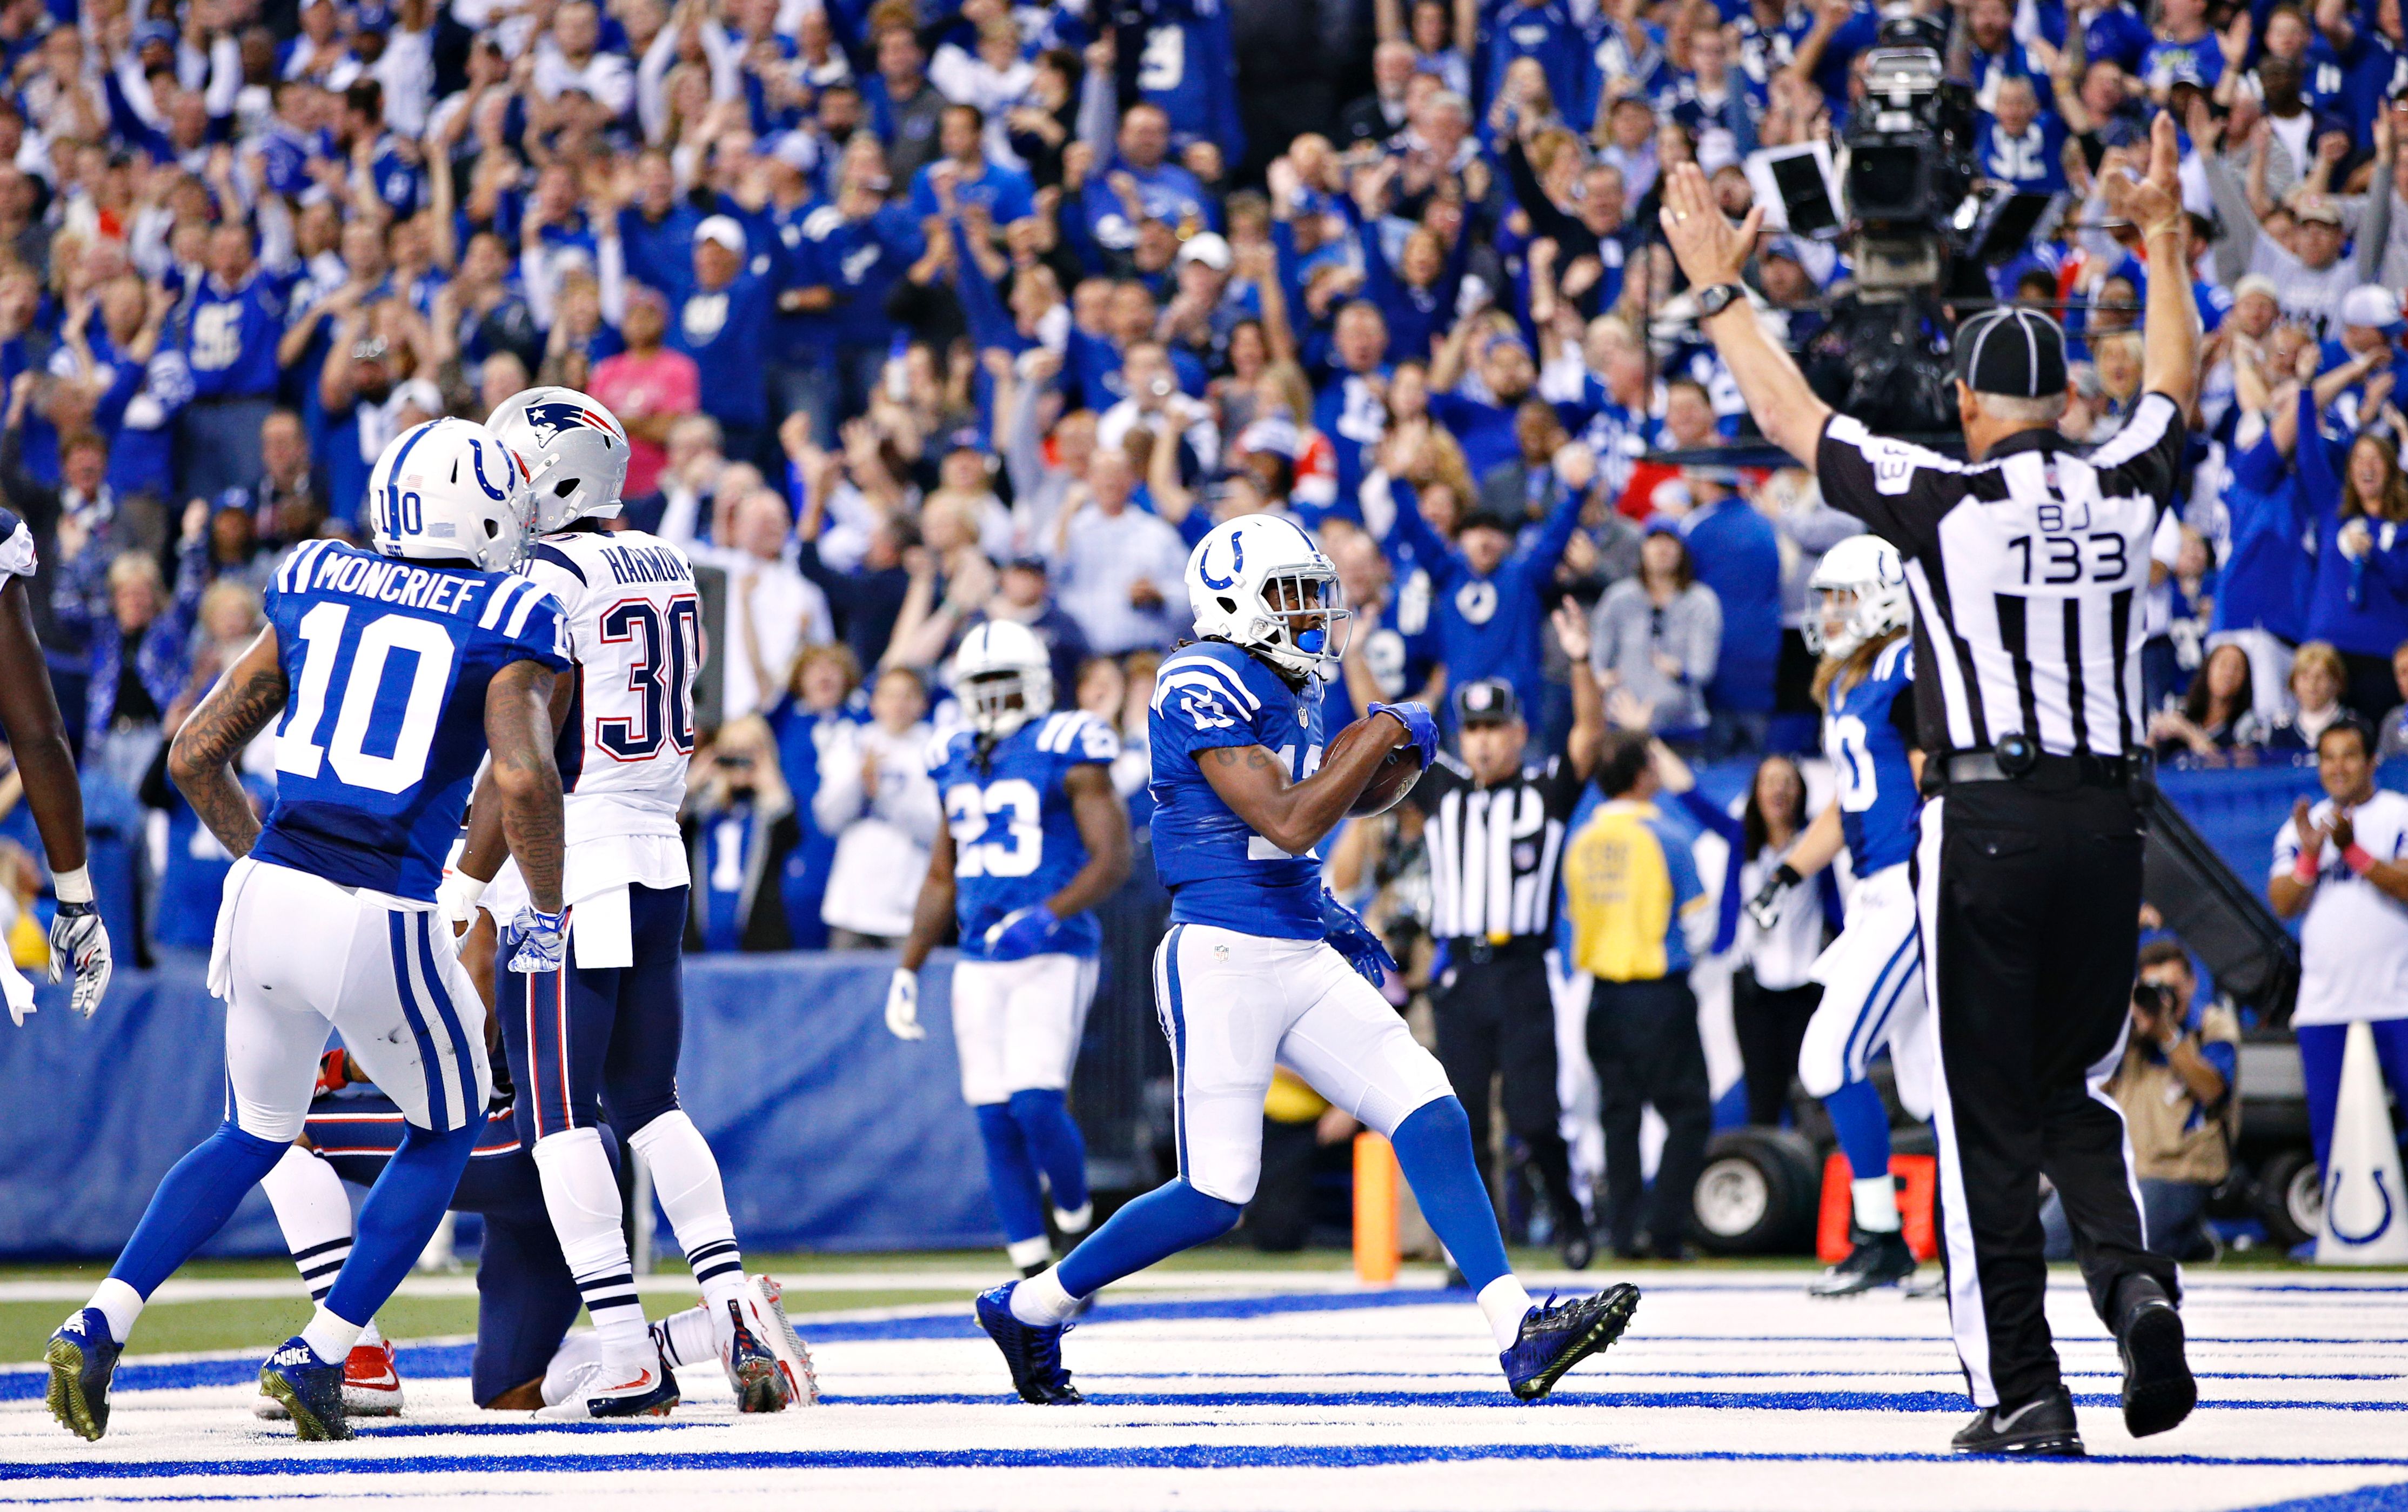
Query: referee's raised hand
<point>2152,204</point>
<point>1710,250</point>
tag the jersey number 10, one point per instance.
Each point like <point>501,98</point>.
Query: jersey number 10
<point>320,630</point>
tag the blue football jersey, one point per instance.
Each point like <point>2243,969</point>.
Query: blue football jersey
<point>384,726</point>
<point>1220,872</point>
<point>1016,841</point>
<point>1865,736</point>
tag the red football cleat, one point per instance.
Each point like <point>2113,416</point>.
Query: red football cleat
<point>371,1385</point>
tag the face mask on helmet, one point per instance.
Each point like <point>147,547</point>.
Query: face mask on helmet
<point>1000,702</point>
<point>1308,607</point>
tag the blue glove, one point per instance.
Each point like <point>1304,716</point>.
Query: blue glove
<point>1353,938</point>
<point>1023,932</point>
<point>1418,724</point>
<point>536,942</point>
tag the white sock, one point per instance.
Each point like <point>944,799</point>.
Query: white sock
<point>368,1333</point>
<point>690,1338</point>
<point>329,1337</point>
<point>1026,1252</point>
<point>1875,1198</point>
<point>1074,1219</point>
<point>1506,1304</point>
<point>1039,1301</point>
<point>582,1198</point>
<point>315,1215</point>
<point>119,1304</point>
<point>685,1179</point>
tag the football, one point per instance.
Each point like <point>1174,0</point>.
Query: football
<point>1392,779</point>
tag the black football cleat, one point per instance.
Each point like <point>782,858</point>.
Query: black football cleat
<point>1559,1336</point>
<point>2042,1426</point>
<point>1877,1259</point>
<point>2158,1390</point>
<point>1034,1355</point>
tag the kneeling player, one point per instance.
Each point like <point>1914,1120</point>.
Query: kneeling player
<point>1872,973</point>
<point>525,1358</point>
<point>1035,836</point>
<point>1260,966</point>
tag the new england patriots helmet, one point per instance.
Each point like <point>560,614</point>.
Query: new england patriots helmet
<point>446,490</point>
<point>573,449</point>
<point>1259,582</point>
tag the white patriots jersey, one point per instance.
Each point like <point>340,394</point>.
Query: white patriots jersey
<point>15,547</point>
<point>634,627</point>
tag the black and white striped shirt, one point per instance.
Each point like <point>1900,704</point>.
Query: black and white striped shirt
<point>1494,852</point>
<point>2028,571</point>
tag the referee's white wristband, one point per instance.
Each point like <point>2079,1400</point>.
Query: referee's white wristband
<point>72,887</point>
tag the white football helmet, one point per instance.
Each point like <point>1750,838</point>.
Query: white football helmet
<point>1259,582</point>
<point>573,449</point>
<point>446,490</point>
<point>1860,582</point>
<point>1003,677</point>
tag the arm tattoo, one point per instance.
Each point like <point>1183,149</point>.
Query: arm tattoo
<point>1254,756</point>
<point>229,719</point>
<point>518,730</point>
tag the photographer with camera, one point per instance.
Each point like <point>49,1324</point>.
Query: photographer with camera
<point>2027,565</point>
<point>2176,1088</point>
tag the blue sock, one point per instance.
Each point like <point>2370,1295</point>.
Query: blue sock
<point>399,1217</point>
<point>1160,1225</point>
<point>1044,1119</point>
<point>193,1203</point>
<point>1434,1147</point>
<point>1010,1174</point>
<point>1862,1125</point>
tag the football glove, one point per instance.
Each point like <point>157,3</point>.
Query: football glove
<point>1022,933</point>
<point>536,942</point>
<point>79,942</point>
<point>333,1072</point>
<point>1353,938</point>
<point>1418,724</point>
<point>903,1006</point>
<point>1765,907</point>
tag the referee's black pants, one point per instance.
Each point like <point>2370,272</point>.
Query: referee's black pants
<point>2029,900</point>
<point>1498,1015</point>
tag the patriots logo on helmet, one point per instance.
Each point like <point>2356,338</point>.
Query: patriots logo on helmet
<point>555,416</point>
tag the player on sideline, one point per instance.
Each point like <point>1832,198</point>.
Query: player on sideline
<point>525,1357</point>
<point>393,671</point>
<point>1260,966</point>
<point>604,1030</point>
<point>1872,973</point>
<point>38,737</point>
<point>1035,836</point>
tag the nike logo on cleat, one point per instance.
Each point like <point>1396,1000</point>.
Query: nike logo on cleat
<point>644,1380</point>
<point>2010,1418</point>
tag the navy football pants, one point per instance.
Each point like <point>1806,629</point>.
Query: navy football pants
<point>586,1045</point>
<point>525,1297</point>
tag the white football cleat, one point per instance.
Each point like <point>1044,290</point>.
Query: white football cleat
<point>765,1317</point>
<point>638,1386</point>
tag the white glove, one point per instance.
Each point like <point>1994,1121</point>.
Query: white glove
<point>903,1006</point>
<point>455,898</point>
<point>79,942</point>
<point>535,943</point>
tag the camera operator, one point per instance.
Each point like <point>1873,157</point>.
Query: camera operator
<point>2027,566</point>
<point>2175,1086</point>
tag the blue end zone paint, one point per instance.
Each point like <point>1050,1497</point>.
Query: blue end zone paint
<point>2392,1498</point>
<point>1139,1457</point>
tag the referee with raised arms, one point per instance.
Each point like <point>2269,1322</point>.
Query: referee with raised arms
<point>2027,566</point>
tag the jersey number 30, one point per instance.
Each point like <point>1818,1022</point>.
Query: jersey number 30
<point>660,673</point>
<point>981,846</point>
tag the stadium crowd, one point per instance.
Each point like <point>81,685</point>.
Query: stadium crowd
<point>920,314</point>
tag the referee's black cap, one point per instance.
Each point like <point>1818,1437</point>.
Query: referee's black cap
<point>2016,352</point>
<point>1487,701</point>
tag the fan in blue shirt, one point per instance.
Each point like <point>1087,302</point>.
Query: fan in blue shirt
<point>2020,143</point>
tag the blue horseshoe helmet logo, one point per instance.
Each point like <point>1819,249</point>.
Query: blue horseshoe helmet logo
<point>1237,564</point>
<point>476,461</point>
<point>2333,1213</point>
